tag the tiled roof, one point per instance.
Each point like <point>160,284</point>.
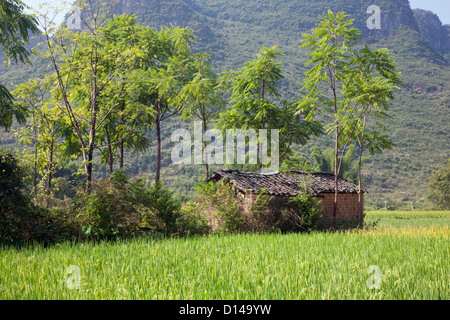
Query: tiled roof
<point>284,184</point>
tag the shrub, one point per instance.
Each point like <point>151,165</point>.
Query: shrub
<point>303,212</point>
<point>61,222</point>
<point>439,187</point>
<point>192,220</point>
<point>228,213</point>
<point>223,206</point>
<point>296,214</point>
<point>110,209</point>
<point>19,217</point>
<point>265,214</point>
<point>164,208</point>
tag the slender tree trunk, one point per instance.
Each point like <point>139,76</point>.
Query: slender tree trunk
<point>49,173</point>
<point>89,167</point>
<point>90,153</point>
<point>204,150</point>
<point>48,186</point>
<point>92,131</point>
<point>158,141</point>
<point>73,120</point>
<point>260,157</point>
<point>360,202</point>
<point>336,145</point>
<point>121,155</point>
<point>35,155</point>
<point>110,152</point>
<point>121,144</point>
<point>263,89</point>
<point>262,94</point>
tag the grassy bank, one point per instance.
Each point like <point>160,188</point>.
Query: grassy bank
<point>412,260</point>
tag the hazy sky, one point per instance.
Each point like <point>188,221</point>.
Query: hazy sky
<point>440,7</point>
<point>34,4</point>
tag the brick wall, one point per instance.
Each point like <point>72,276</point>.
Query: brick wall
<point>347,207</point>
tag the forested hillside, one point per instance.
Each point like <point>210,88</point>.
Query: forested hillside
<point>234,31</point>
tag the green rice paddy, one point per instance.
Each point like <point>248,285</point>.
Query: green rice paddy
<point>410,252</point>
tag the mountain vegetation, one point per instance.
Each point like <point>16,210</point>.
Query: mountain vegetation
<point>233,33</point>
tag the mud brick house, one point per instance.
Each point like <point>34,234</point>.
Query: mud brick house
<point>281,186</point>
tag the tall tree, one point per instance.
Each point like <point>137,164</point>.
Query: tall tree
<point>31,97</point>
<point>160,83</point>
<point>128,120</point>
<point>349,84</point>
<point>330,45</point>
<point>254,94</point>
<point>15,30</point>
<point>42,132</point>
<point>86,67</point>
<point>373,80</point>
<point>202,96</point>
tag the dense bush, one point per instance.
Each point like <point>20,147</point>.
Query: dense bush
<point>19,218</point>
<point>225,209</point>
<point>439,187</point>
<point>118,207</point>
<point>227,212</point>
<point>164,208</point>
<point>113,207</point>
<point>110,209</point>
<point>296,214</point>
<point>303,213</point>
<point>192,220</point>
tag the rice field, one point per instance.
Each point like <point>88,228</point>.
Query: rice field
<point>409,218</point>
<point>389,261</point>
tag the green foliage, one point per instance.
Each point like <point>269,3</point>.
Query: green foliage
<point>164,209</point>
<point>323,161</point>
<point>10,111</point>
<point>192,221</point>
<point>254,103</point>
<point>95,95</point>
<point>167,68</point>
<point>42,131</point>
<point>303,212</point>
<point>233,31</point>
<point>226,207</point>
<point>16,27</point>
<point>329,47</point>
<point>296,161</point>
<point>354,86</point>
<point>228,212</point>
<point>15,30</point>
<point>110,210</point>
<point>202,96</point>
<point>439,187</point>
<point>18,215</point>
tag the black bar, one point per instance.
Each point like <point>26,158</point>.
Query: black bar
<point>221,309</point>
